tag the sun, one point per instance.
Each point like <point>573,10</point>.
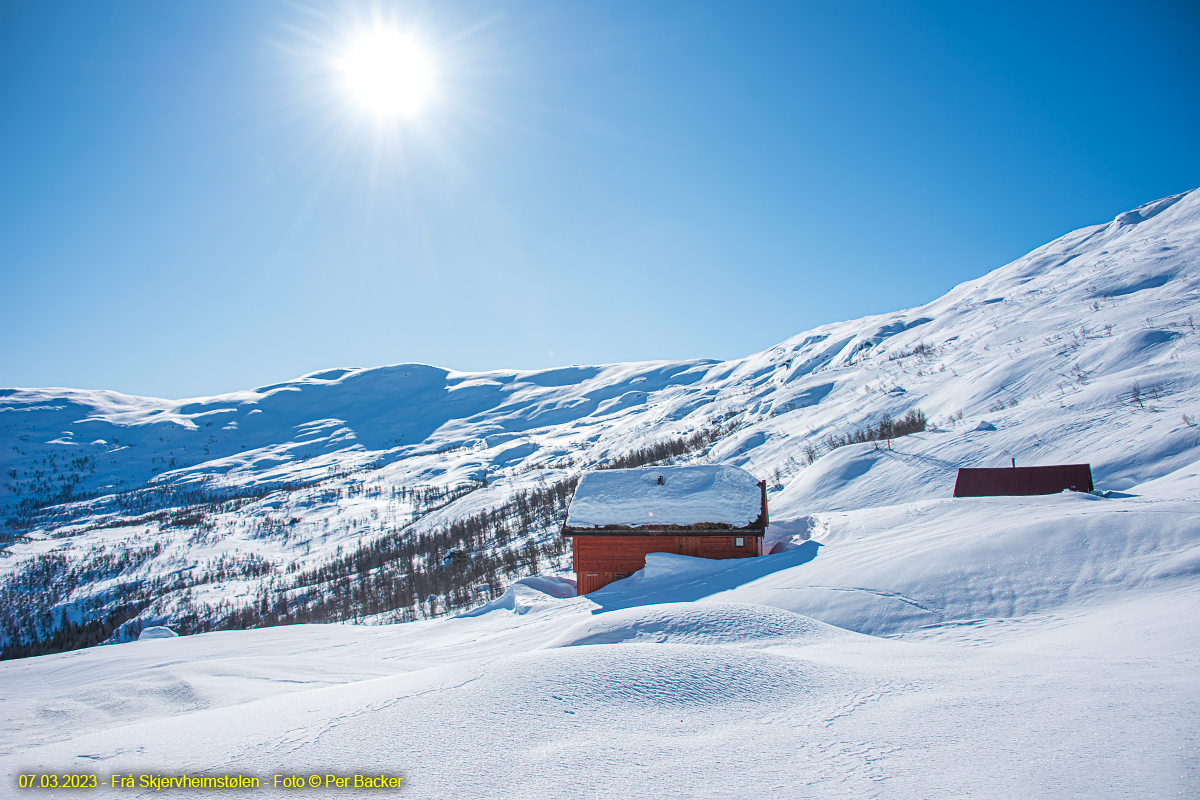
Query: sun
<point>389,74</point>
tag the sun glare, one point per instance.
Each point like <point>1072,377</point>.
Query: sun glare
<point>389,74</point>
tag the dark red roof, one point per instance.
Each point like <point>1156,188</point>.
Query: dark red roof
<point>1023,480</point>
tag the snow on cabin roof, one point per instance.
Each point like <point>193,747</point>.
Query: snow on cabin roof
<point>695,495</point>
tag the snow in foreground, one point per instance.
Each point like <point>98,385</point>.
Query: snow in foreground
<point>994,647</point>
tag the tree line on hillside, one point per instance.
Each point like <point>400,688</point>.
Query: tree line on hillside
<point>886,429</point>
<point>150,503</point>
<point>34,600</point>
<point>408,574</point>
<point>669,449</point>
<point>70,635</point>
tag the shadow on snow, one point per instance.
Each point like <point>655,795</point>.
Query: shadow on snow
<point>671,578</point>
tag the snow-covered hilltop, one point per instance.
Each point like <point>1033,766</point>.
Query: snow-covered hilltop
<point>295,501</point>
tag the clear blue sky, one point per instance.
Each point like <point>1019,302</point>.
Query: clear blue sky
<point>191,201</point>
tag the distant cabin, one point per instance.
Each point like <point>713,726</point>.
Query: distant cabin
<point>1023,480</point>
<point>618,516</point>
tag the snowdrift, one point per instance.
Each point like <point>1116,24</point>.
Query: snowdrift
<point>690,623</point>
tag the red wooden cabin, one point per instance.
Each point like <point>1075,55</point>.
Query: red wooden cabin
<point>1023,480</point>
<point>619,516</point>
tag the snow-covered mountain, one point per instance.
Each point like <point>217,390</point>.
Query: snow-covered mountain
<point>1082,351</point>
<point>904,645</point>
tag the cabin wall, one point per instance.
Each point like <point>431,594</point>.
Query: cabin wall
<point>598,560</point>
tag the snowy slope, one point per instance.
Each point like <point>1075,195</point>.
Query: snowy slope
<point>906,645</point>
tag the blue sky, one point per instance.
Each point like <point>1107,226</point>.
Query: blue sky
<point>192,202</point>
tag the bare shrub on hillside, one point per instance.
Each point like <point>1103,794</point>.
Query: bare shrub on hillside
<point>922,349</point>
<point>887,429</point>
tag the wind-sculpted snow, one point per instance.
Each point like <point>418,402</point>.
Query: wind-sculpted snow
<point>528,594</point>
<point>656,678</point>
<point>918,565</point>
<point>703,624</point>
<point>156,632</point>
